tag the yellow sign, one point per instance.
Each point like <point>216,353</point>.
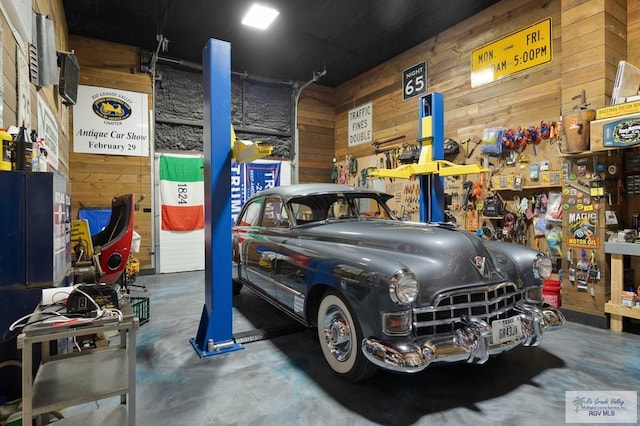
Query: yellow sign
<point>617,110</point>
<point>81,239</point>
<point>516,52</point>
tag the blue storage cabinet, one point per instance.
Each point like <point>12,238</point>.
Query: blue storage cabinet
<point>35,252</point>
<point>35,237</point>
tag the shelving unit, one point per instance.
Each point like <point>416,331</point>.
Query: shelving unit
<point>614,306</point>
<point>601,295</point>
<point>75,378</point>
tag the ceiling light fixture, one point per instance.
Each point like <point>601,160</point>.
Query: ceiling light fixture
<point>260,16</point>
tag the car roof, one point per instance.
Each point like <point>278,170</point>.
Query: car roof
<point>302,189</point>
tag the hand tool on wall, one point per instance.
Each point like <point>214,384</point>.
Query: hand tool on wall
<point>467,186</point>
<point>388,164</point>
<point>476,141</point>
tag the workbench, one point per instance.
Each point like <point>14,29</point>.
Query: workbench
<point>76,377</point>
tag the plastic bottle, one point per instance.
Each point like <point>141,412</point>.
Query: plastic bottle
<point>5,145</point>
<point>42,160</point>
<point>24,149</point>
<point>34,157</point>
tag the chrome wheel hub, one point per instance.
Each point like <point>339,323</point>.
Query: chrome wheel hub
<point>337,333</point>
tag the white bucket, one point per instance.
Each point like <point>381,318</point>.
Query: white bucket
<point>135,242</point>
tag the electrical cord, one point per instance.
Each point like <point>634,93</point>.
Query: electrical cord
<point>58,317</point>
<point>108,312</point>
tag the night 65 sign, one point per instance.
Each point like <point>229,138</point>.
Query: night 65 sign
<point>414,81</point>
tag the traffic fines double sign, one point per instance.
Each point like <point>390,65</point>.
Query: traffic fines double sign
<point>513,53</point>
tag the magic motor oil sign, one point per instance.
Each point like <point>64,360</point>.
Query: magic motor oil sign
<point>622,133</point>
<point>582,230</point>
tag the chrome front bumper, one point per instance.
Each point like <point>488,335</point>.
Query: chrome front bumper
<point>472,343</point>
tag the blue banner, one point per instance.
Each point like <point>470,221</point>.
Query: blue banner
<point>237,189</point>
<point>249,178</point>
<point>261,176</point>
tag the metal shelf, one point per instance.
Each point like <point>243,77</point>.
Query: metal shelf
<point>86,378</point>
<point>79,377</point>
<point>111,416</point>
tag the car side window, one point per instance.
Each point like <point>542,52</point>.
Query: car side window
<point>369,207</point>
<point>302,213</point>
<point>340,209</point>
<point>274,215</point>
<point>251,214</point>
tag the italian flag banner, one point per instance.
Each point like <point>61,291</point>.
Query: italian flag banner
<point>182,193</point>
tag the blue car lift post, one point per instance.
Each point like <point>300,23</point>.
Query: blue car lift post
<point>431,131</point>
<point>215,332</point>
<point>431,167</point>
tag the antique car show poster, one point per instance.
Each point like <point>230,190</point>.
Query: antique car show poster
<point>114,122</point>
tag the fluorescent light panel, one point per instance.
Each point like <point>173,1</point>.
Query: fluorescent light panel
<point>260,16</point>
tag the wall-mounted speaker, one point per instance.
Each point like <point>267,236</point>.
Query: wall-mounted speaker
<point>69,77</point>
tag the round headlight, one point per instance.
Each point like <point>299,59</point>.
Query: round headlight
<point>542,266</point>
<point>403,288</point>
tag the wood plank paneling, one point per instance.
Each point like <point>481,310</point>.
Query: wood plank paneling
<point>96,179</point>
<point>54,10</point>
<point>316,127</point>
<point>589,38</point>
<point>588,41</point>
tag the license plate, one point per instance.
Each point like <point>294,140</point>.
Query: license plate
<point>506,330</point>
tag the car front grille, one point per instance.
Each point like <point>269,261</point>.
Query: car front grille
<point>487,303</point>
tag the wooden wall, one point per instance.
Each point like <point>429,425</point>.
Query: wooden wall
<point>53,9</point>
<point>590,37</point>
<point>96,179</point>
<point>523,99</point>
<point>594,40</point>
<point>527,97</point>
<point>633,56</point>
<point>316,124</point>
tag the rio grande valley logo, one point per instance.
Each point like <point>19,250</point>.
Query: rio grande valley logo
<point>111,109</point>
<point>601,407</point>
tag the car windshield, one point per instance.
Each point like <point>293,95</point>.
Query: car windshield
<point>320,207</point>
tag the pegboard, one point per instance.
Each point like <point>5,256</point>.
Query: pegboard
<point>405,191</point>
<point>525,172</point>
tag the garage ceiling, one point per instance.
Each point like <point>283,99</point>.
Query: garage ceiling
<point>345,37</point>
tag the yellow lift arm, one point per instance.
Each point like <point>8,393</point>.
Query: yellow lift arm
<point>246,151</point>
<point>426,164</point>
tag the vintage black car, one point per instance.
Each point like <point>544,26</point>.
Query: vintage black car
<point>386,293</point>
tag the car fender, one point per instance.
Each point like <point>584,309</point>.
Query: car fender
<point>361,275</point>
<point>516,261</point>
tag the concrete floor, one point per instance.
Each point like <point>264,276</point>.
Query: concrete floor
<point>285,381</point>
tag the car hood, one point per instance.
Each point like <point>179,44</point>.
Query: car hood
<point>441,257</point>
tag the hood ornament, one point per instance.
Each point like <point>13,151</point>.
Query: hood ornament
<point>480,263</point>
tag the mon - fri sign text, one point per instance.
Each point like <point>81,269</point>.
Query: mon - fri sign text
<point>516,52</point>
<point>361,124</point>
<point>110,121</point>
